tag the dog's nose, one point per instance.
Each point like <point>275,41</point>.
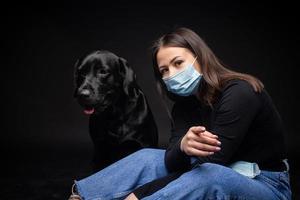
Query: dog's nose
<point>84,93</point>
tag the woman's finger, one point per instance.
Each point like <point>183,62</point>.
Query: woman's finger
<point>209,134</point>
<point>197,129</point>
<point>206,140</point>
<point>198,153</point>
<point>204,147</point>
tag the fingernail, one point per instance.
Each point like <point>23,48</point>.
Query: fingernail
<point>219,143</point>
<point>211,153</point>
<point>218,148</point>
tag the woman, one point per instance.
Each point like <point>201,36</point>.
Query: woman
<point>227,136</point>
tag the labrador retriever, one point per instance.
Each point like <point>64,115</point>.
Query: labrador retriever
<point>120,119</point>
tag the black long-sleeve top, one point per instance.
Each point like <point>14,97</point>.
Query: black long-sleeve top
<point>247,123</point>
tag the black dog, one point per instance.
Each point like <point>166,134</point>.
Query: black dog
<point>121,121</point>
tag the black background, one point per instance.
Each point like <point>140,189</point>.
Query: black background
<point>45,142</point>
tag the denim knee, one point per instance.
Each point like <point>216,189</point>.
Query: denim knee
<point>145,151</point>
<point>148,154</point>
<point>214,174</point>
<point>213,168</point>
<point>150,157</point>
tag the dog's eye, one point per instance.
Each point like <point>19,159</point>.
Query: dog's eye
<point>102,71</point>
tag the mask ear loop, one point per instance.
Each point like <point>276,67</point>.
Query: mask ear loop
<point>194,60</point>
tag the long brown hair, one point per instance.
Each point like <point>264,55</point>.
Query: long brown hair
<point>215,74</point>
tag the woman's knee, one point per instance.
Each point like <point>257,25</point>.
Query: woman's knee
<point>149,155</point>
<point>212,173</point>
<point>151,161</point>
<point>212,168</point>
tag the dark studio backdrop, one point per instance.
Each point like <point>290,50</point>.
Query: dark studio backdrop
<point>45,142</point>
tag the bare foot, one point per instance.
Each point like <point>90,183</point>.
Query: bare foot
<point>131,197</point>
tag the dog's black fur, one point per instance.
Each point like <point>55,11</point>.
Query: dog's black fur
<point>121,121</point>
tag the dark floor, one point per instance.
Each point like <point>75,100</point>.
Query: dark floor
<point>40,174</point>
<point>49,175</point>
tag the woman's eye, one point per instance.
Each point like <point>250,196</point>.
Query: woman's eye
<point>163,71</point>
<point>178,62</point>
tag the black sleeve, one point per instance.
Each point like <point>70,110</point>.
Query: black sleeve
<point>237,108</point>
<point>175,159</point>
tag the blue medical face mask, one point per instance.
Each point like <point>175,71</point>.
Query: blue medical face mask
<point>184,83</point>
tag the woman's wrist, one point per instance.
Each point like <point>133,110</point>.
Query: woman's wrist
<point>181,144</point>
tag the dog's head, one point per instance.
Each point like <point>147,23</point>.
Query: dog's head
<point>101,78</point>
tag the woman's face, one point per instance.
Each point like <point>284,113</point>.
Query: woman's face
<point>171,60</point>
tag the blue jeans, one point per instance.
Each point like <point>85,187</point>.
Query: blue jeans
<point>206,181</point>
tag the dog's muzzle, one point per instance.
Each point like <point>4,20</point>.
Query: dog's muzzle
<point>84,99</point>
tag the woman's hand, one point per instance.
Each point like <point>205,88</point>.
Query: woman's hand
<point>131,196</point>
<point>199,142</point>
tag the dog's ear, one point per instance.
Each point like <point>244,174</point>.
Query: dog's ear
<point>128,75</point>
<point>75,77</point>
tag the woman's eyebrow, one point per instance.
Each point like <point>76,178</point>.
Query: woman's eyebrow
<point>172,60</point>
